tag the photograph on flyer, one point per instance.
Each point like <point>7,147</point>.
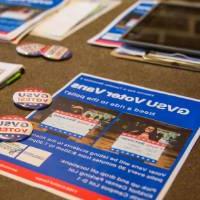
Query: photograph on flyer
<point>134,137</point>
<point>143,139</point>
<point>74,120</point>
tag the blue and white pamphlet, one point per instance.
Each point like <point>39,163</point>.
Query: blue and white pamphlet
<point>18,16</point>
<point>110,36</point>
<point>102,139</point>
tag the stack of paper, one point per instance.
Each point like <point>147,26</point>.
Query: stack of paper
<point>9,73</point>
<point>72,17</point>
<point>18,17</point>
<point>175,60</point>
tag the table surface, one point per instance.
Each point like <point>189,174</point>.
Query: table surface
<point>98,61</point>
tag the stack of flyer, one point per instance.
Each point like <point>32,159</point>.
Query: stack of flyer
<point>9,73</point>
<point>17,17</point>
<point>72,17</point>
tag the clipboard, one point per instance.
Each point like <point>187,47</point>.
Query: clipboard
<point>174,60</point>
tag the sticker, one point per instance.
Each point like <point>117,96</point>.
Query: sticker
<point>30,49</point>
<point>14,128</point>
<point>56,52</point>
<point>32,98</point>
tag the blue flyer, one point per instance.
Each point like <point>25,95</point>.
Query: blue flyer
<point>101,139</point>
<point>110,36</point>
<point>16,16</point>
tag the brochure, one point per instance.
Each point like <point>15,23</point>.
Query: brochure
<point>72,17</point>
<point>111,35</point>
<point>18,16</point>
<point>103,139</point>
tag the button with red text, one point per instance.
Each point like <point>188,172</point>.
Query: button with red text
<point>30,49</point>
<point>32,98</point>
<point>56,52</point>
<point>14,128</point>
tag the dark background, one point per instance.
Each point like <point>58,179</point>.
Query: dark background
<point>98,61</point>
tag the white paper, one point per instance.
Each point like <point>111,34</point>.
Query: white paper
<point>66,18</point>
<point>72,17</point>
<point>131,51</point>
<point>7,70</point>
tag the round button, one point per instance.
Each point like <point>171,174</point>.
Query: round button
<point>56,52</point>
<point>30,49</point>
<point>14,128</point>
<point>32,99</point>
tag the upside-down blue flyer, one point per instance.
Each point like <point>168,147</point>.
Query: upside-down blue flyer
<point>110,36</point>
<point>103,139</point>
<point>16,16</point>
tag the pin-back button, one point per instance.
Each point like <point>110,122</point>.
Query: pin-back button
<point>32,99</point>
<point>56,52</point>
<point>14,128</point>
